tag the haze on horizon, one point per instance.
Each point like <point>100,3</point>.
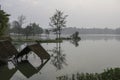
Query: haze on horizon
<point>82,13</point>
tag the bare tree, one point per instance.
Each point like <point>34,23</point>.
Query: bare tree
<point>17,25</point>
<point>21,20</point>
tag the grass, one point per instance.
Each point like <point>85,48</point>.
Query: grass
<point>41,41</point>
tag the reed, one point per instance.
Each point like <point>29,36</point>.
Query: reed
<point>107,74</point>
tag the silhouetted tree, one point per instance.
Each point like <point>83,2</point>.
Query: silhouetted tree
<point>58,21</point>
<point>32,29</point>
<point>3,21</point>
<point>17,29</point>
<point>36,29</point>
<point>73,76</point>
<point>28,31</point>
<point>17,25</point>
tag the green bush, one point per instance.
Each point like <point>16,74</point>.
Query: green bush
<point>107,74</point>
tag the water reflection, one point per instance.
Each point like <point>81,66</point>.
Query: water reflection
<point>75,42</point>
<point>21,61</point>
<point>27,69</point>
<point>24,66</point>
<point>104,37</point>
<point>58,58</point>
<point>6,73</point>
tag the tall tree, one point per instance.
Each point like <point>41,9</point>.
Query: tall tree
<point>4,18</point>
<point>58,21</point>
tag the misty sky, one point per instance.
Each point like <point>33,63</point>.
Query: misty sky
<point>82,13</point>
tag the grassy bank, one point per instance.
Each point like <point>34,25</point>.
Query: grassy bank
<point>40,41</point>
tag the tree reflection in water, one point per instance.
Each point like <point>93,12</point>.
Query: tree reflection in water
<point>58,59</point>
<point>75,42</point>
<point>75,38</point>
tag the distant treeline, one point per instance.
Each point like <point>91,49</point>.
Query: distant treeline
<point>71,30</point>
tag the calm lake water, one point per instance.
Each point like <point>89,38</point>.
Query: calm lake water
<point>93,54</point>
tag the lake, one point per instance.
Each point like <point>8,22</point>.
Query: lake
<point>93,53</point>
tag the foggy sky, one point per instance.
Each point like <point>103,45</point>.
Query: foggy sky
<point>82,13</point>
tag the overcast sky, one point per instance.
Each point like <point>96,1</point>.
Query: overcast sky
<point>82,13</point>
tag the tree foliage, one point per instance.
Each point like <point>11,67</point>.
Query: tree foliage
<point>36,29</point>
<point>17,25</point>
<point>108,74</point>
<point>58,21</point>
<point>75,38</point>
<point>4,18</point>
<point>32,29</point>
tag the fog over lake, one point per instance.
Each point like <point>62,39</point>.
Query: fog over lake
<point>94,54</point>
<point>59,39</point>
